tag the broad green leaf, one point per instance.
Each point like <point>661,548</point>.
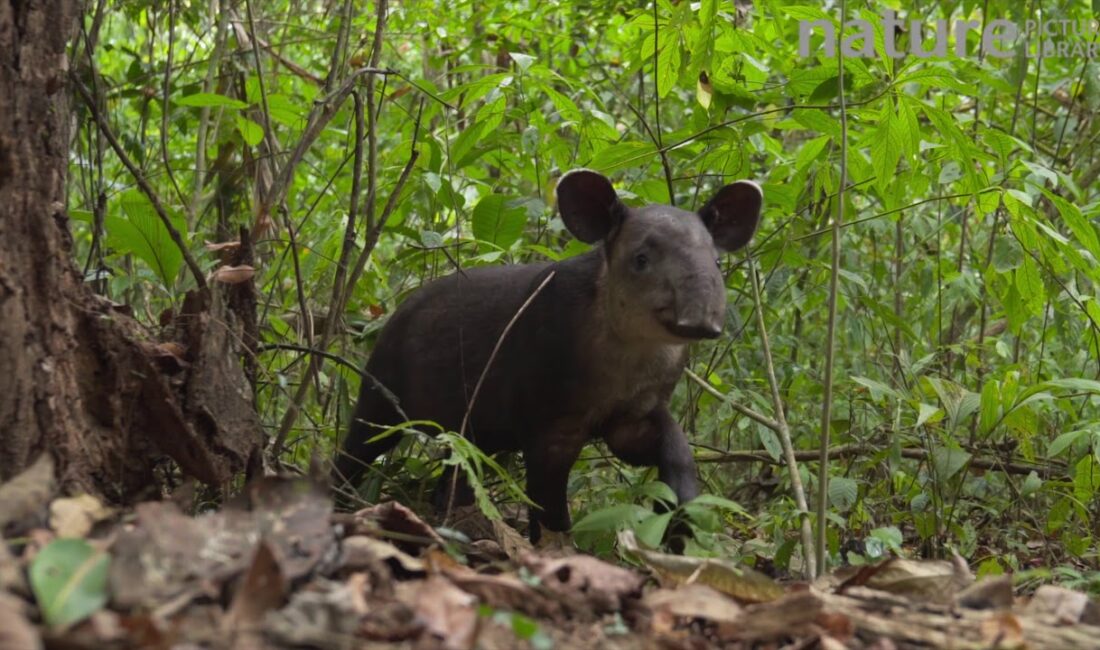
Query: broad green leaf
<point>1081,228</point>
<point>1030,286</point>
<point>1076,384</point>
<point>818,120</point>
<point>990,407</point>
<point>1031,484</point>
<point>141,233</point>
<point>612,518</point>
<point>498,223</point>
<point>251,132</point>
<point>523,61</point>
<point>1065,441</point>
<point>210,99</point>
<point>69,580</point>
<point>721,503</point>
<point>877,388</point>
<point>668,66</point>
<point>652,529</point>
<point>886,148</point>
<point>623,154</point>
<point>948,461</point>
<point>843,492</point>
<point>925,413</point>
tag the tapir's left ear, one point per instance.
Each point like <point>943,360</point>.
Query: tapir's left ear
<point>732,214</point>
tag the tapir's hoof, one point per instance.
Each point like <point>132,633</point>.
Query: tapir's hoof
<point>555,543</point>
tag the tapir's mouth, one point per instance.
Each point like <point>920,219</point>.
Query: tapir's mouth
<point>694,331</point>
<point>687,330</point>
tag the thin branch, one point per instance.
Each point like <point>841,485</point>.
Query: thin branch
<point>759,418</point>
<point>485,372</point>
<point>830,335</point>
<point>147,189</point>
<point>808,565</point>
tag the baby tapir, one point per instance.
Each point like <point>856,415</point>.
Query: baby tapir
<point>595,354</point>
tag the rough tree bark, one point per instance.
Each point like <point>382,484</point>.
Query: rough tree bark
<point>79,378</point>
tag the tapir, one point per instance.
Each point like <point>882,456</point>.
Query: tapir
<point>562,353</point>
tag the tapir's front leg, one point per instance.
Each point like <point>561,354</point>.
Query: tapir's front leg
<point>548,463</point>
<point>675,463</point>
<point>656,439</point>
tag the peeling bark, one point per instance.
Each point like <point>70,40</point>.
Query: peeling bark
<point>79,378</point>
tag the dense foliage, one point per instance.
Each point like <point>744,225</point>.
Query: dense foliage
<point>967,329</point>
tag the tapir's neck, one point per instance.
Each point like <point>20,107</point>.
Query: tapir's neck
<point>608,337</point>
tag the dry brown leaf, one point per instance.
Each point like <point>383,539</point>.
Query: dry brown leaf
<point>1065,605</point>
<point>16,632</point>
<point>694,601</point>
<point>1003,632</point>
<point>600,586</point>
<point>360,551</point>
<point>512,543</point>
<point>233,274</point>
<point>215,247</point>
<point>991,593</point>
<point>75,516</point>
<point>393,517</point>
<point>448,613</point>
<point>28,492</point>
<point>262,590</point>
<point>502,591</point>
<point>935,581</point>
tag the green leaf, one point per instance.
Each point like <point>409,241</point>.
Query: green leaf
<point>523,61</point>
<point>925,413</point>
<point>1066,440</point>
<point>886,148</point>
<point>652,529</point>
<point>1031,485</point>
<point>1076,384</point>
<point>495,222</point>
<point>251,132</point>
<point>210,99</point>
<point>623,154</point>
<point>990,407</point>
<point>1030,286</point>
<point>612,518</point>
<point>69,580</point>
<point>668,66</point>
<point>144,235</point>
<point>843,492</point>
<point>721,503</point>
<point>877,388</point>
<point>949,461</point>
<point>1081,228</point>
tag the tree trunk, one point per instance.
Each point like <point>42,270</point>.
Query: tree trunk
<point>79,378</point>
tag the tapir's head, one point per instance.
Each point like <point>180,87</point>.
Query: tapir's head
<point>662,280</point>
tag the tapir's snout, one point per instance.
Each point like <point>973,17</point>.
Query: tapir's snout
<point>693,331</point>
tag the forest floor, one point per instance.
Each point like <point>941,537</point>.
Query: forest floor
<point>279,569</point>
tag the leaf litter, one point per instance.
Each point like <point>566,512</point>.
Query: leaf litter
<point>279,569</point>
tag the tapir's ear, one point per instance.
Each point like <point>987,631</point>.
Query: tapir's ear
<point>732,214</point>
<point>588,205</point>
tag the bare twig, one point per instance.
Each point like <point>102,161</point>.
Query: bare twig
<point>809,565</point>
<point>830,335</point>
<point>139,177</point>
<point>759,418</point>
<point>485,372</point>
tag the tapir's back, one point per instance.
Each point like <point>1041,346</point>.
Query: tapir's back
<point>435,347</point>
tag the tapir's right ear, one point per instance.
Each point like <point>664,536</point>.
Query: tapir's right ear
<point>589,205</point>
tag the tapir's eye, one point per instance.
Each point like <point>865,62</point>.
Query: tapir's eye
<point>640,261</point>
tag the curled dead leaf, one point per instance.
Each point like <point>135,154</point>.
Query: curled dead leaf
<point>234,274</point>
<point>75,516</point>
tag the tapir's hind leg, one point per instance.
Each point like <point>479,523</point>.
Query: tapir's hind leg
<point>374,414</point>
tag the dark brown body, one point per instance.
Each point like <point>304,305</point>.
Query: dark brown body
<point>575,366</point>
